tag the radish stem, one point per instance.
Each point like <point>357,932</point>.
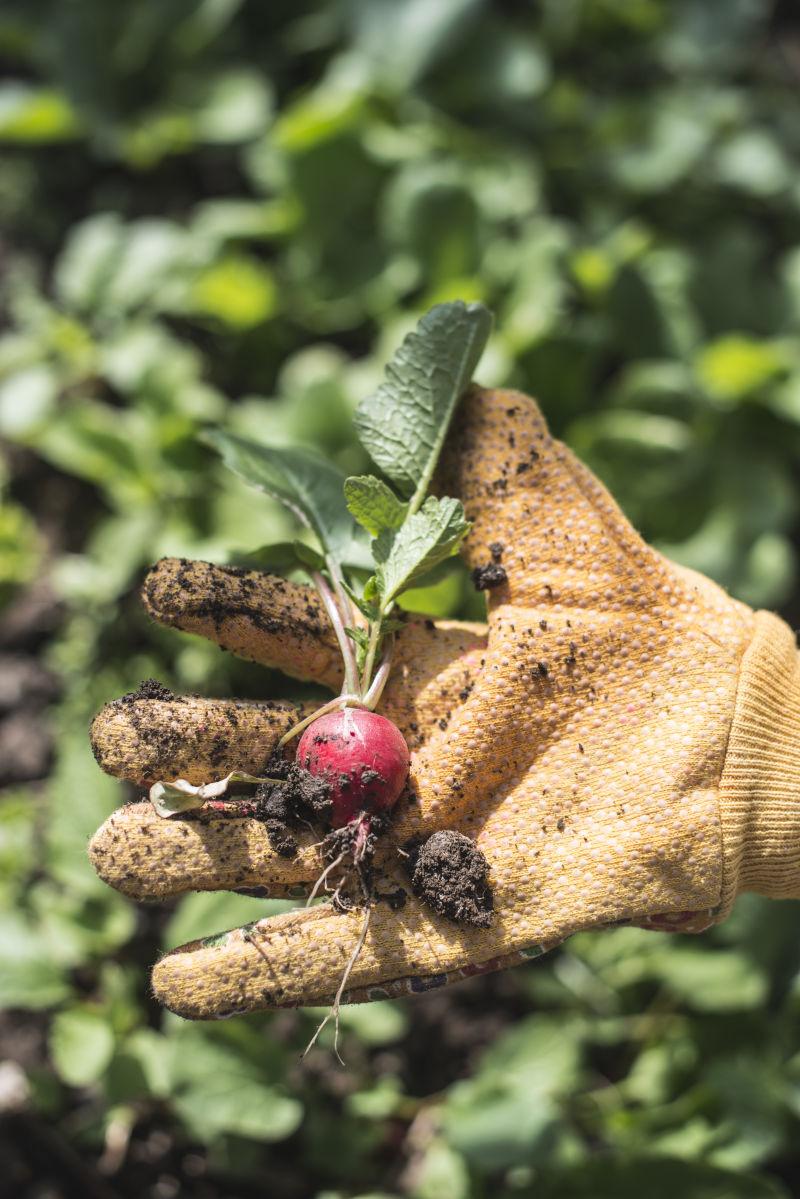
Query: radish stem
<point>372,647</point>
<point>351,681</point>
<point>373,695</point>
<point>341,701</point>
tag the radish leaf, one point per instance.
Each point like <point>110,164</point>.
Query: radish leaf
<point>281,555</point>
<point>425,539</point>
<point>305,483</point>
<point>404,424</point>
<point>374,505</point>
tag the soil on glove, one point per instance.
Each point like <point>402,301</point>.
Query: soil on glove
<point>291,804</point>
<point>225,593</point>
<point>147,689</point>
<point>450,874</point>
<point>493,574</point>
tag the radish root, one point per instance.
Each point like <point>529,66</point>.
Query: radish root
<point>333,1013</point>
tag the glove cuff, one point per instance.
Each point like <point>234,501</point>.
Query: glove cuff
<point>760,785</point>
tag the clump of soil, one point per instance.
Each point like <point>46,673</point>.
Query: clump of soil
<point>147,689</point>
<point>290,804</point>
<point>450,874</point>
<point>493,574</point>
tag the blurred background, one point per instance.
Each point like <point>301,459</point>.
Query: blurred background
<point>221,211</point>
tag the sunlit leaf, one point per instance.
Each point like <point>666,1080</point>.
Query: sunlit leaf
<point>404,424</point>
<point>81,1044</point>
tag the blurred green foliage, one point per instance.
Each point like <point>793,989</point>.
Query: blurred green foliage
<point>230,211</point>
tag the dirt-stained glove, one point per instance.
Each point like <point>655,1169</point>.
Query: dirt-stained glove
<point>623,744</point>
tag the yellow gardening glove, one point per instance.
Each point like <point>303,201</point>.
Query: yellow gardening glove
<point>623,744</point>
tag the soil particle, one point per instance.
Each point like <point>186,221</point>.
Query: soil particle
<point>148,689</point>
<point>343,840</point>
<point>450,873</point>
<point>484,578</point>
<point>371,776</point>
<point>282,841</point>
<point>289,804</point>
<point>396,899</point>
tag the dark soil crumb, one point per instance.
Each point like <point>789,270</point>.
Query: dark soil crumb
<point>278,766</point>
<point>486,577</point>
<point>147,689</point>
<point>396,899</point>
<point>282,841</point>
<point>287,805</point>
<point>449,873</point>
<point>343,839</point>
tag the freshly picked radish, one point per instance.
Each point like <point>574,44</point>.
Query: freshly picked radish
<point>365,540</point>
<point>362,757</point>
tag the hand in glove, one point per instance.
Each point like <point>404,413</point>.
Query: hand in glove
<point>622,742</point>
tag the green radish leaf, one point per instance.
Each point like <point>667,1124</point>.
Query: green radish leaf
<point>308,556</point>
<point>366,609</point>
<point>426,539</point>
<point>374,505</point>
<point>281,555</point>
<point>404,424</point>
<point>371,587</point>
<point>360,636</point>
<point>305,483</point>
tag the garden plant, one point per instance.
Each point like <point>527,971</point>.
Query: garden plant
<point>219,222</point>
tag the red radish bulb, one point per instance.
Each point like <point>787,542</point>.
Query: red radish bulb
<point>362,756</point>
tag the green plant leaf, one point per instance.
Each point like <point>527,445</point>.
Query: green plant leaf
<point>304,482</point>
<point>281,555</point>
<point>511,1106</point>
<point>441,1171</point>
<point>217,1089</point>
<point>308,556</point>
<point>716,982</point>
<point>425,539</point>
<point>29,975</point>
<point>658,1177</point>
<point>404,424</point>
<point>81,1045</point>
<point>364,603</point>
<point>374,505</point>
